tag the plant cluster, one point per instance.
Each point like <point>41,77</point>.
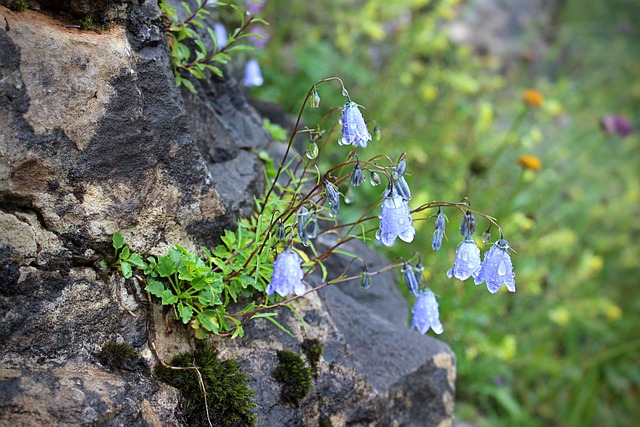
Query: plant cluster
<point>215,392</point>
<point>189,53</point>
<point>265,261</point>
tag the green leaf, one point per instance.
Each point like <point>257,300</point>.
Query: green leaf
<point>185,313</point>
<point>155,287</point>
<point>209,320</point>
<point>210,297</point>
<point>125,267</point>
<point>136,259</point>
<point>168,297</point>
<point>187,83</point>
<point>239,332</point>
<point>103,264</point>
<point>229,238</point>
<point>166,266</point>
<point>118,240</point>
<point>126,252</point>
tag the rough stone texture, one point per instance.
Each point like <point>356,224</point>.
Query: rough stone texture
<point>95,137</point>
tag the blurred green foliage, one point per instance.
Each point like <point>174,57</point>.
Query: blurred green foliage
<point>563,349</point>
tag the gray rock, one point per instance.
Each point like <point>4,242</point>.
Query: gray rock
<point>95,138</point>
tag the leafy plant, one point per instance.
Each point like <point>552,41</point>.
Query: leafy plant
<point>122,257</point>
<point>189,53</point>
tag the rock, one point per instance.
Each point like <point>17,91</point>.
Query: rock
<point>96,138</point>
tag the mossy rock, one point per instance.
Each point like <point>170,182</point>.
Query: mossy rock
<point>229,398</point>
<point>294,375</point>
<point>119,357</point>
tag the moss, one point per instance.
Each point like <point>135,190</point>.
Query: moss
<point>229,398</point>
<point>119,356</point>
<point>86,23</point>
<point>294,375</point>
<point>313,350</point>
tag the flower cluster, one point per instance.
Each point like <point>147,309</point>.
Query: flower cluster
<point>395,222</point>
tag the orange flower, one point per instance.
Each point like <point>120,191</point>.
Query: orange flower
<point>529,161</point>
<point>532,98</point>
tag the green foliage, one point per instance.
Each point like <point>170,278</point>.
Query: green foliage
<point>86,23</point>
<point>122,257</point>
<point>295,377</point>
<point>119,356</point>
<point>18,5</point>
<point>228,397</point>
<point>189,53</point>
<point>312,348</point>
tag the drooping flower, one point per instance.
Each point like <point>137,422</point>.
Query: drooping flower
<point>532,98</point>
<point>302,217</point>
<point>529,161</point>
<point>410,279</point>
<point>354,129</point>
<point>255,6</point>
<point>616,125</point>
<point>287,274</point>
<point>438,233</point>
<point>333,196</point>
<point>467,262</point>
<point>497,269</point>
<point>468,225</point>
<point>221,35</point>
<point>356,178</point>
<point>280,231</point>
<point>252,74</point>
<point>395,220</point>
<point>425,313</point>
<point>260,37</point>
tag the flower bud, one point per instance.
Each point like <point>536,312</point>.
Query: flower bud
<point>356,179</point>
<point>314,99</point>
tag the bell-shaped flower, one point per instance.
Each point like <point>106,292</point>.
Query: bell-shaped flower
<point>333,196</point>
<point>425,313</point>
<point>252,74</point>
<point>354,129</point>
<point>467,262</point>
<point>287,274</point>
<point>497,269</point>
<point>395,220</point>
<point>411,278</point>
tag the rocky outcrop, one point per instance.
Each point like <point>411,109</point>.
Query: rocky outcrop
<point>95,138</point>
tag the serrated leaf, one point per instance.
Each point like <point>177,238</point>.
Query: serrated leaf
<point>118,240</point>
<point>209,320</point>
<point>155,287</point>
<point>185,313</point>
<point>166,266</point>
<point>168,297</point>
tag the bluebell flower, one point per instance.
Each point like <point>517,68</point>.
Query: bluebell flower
<point>399,182</point>
<point>252,74</point>
<point>221,35</point>
<point>438,233</point>
<point>303,217</point>
<point>287,274</point>
<point>356,178</point>
<point>497,269</point>
<point>468,226</point>
<point>410,279</point>
<point>333,196</point>
<point>425,313</point>
<point>395,220</point>
<point>467,262</point>
<point>354,129</point>
<point>311,228</point>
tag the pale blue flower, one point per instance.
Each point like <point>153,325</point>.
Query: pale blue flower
<point>354,129</point>
<point>425,313</point>
<point>287,274</point>
<point>252,74</point>
<point>467,262</point>
<point>221,35</point>
<point>395,220</point>
<point>411,278</point>
<point>497,269</point>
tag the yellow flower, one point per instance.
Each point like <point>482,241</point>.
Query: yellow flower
<point>532,98</point>
<point>529,161</point>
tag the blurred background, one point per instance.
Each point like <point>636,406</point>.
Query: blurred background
<point>527,108</point>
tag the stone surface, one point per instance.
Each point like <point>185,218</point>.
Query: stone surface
<point>95,137</point>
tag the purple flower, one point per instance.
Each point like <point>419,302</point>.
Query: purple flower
<point>616,125</point>
<point>261,38</point>
<point>425,313</point>
<point>497,269</point>
<point>221,35</point>
<point>467,261</point>
<point>333,196</point>
<point>287,274</point>
<point>395,220</point>
<point>438,233</point>
<point>410,278</point>
<point>252,74</point>
<point>255,6</point>
<point>354,129</point>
